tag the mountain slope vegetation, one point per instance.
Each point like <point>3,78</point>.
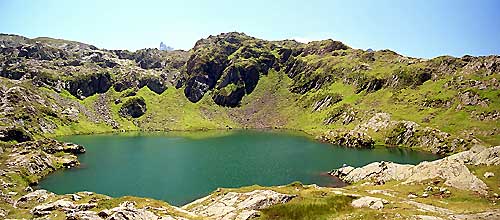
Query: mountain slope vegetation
<point>347,96</point>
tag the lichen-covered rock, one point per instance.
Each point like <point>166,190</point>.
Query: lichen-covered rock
<point>134,107</point>
<point>232,205</point>
<point>38,196</point>
<point>451,169</point>
<point>128,210</point>
<point>378,122</point>
<point>35,159</point>
<point>479,155</point>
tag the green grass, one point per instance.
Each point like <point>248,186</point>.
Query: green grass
<point>172,111</point>
<point>308,209</point>
<point>492,182</point>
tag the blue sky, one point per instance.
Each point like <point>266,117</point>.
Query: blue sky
<point>413,28</point>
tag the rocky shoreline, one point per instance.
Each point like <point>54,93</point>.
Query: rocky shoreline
<point>25,163</point>
<point>452,170</point>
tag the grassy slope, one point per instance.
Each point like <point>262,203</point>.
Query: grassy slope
<point>272,105</point>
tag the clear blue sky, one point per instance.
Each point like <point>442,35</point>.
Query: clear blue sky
<point>413,28</point>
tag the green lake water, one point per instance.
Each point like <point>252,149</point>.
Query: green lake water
<point>179,167</point>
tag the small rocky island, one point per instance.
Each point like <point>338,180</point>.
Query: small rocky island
<point>340,95</point>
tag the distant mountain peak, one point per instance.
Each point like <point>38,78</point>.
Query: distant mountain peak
<point>164,47</point>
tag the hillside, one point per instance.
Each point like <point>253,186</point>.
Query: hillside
<point>347,96</point>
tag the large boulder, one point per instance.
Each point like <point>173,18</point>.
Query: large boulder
<point>134,107</point>
<point>233,205</point>
<point>155,84</point>
<point>369,202</point>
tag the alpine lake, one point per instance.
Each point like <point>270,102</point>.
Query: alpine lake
<point>179,167</point>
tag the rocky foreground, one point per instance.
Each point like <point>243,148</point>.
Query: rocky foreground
<point>388,189</point>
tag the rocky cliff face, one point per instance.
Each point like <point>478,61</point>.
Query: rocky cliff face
<point>134,107</point>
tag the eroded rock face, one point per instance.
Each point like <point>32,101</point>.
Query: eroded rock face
<point>230,64</point>
<point>232,205</point>
<point>14,134</point>
<point>134,107</point>
<point>87,85</point>
<point>451,169</point>
<point>479,155</point>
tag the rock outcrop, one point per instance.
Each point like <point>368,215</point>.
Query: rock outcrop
<point>134,107</point>
<point>354,139</point>
<point>452,170</point>
<point>233,205</point>
<point>87,85</point>
<point>35,159</point>
<point>126,210</point>
<point>411,134</point>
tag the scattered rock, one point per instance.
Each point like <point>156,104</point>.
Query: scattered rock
<point>412,196</point>
<point>232,205</point>
<point>428,217</point>
<point>369,202</point>
<point>75,197</point>
<point>71,112</point>
<point>488,174</point>
<point>487,215</point>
